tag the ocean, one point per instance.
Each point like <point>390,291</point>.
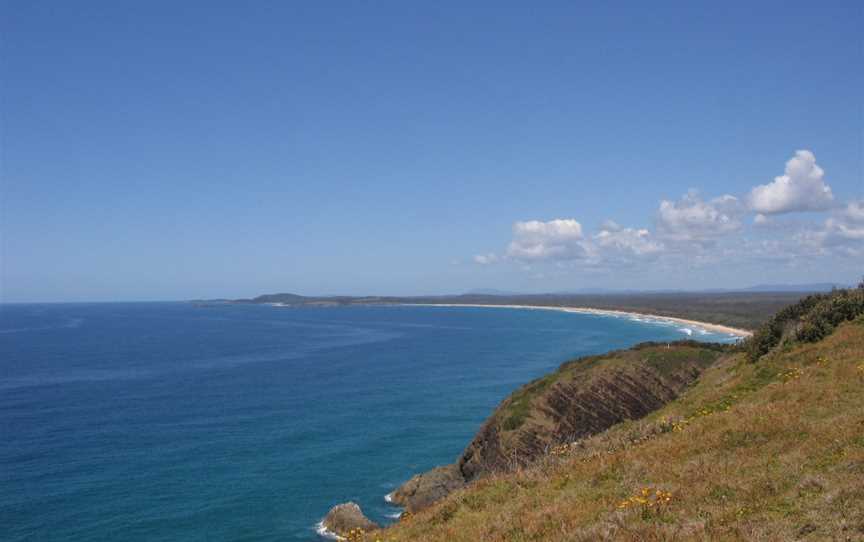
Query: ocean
<point>168,421</point>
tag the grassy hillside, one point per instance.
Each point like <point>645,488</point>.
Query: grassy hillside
<point>771,450</point>
<point>582,398</point>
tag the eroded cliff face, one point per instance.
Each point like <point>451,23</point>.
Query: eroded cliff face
<point>426,488</point>
<point>582,398</point>
<point>568,411</point>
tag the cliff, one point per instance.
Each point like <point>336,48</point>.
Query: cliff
<point>582,398</point>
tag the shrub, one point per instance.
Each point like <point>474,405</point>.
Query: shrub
<point>809,320</point>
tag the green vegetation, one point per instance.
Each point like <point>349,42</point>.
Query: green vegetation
<point>519,407</point>
<point>772,450</point>
<point>809,320</point>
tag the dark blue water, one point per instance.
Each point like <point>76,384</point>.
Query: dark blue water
<point>163,421</point>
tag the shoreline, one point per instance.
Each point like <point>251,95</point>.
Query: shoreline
<point>324,532</point>
<point>717,328</point>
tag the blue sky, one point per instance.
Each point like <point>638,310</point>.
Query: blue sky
<point>174,150</point>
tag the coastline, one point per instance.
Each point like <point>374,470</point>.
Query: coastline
<point>717,328</point>
<point>324,532</point>
<point>690,327</point>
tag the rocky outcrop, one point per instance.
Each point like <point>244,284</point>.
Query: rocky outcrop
<point>584,397</point>
<point>567,411</point>
<point>426,488</point>
<point>346,517</point>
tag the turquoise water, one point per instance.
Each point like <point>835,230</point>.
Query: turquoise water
<point>164,421</point>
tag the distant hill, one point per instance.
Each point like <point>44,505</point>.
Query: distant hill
<point>803,288</point>
<point>287,299</point>
<point>815,287</point>
<point>491,291</point>
<point>578,291</point>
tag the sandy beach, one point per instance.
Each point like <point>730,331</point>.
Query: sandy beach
<point>717,328</point>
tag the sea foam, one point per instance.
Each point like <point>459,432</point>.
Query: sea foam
<point>325,532</point>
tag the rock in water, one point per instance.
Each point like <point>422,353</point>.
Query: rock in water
<point>424,489</point>
<point>347,516</point>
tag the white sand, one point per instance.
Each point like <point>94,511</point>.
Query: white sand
<point>717,328</point>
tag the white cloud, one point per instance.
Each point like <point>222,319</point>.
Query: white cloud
<point>841,234</point>
<point>693,220</point>
<point>629,241</point>
<point>486,259</point>
<point>800,188</point>
<point>847,225</point>
<point>563,242</point>
<point>559,239</point>
<point>854,212</point>
<point>844,230</point>
<point>694,232</point>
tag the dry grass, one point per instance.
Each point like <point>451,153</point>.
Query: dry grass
<point>766,451</point>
